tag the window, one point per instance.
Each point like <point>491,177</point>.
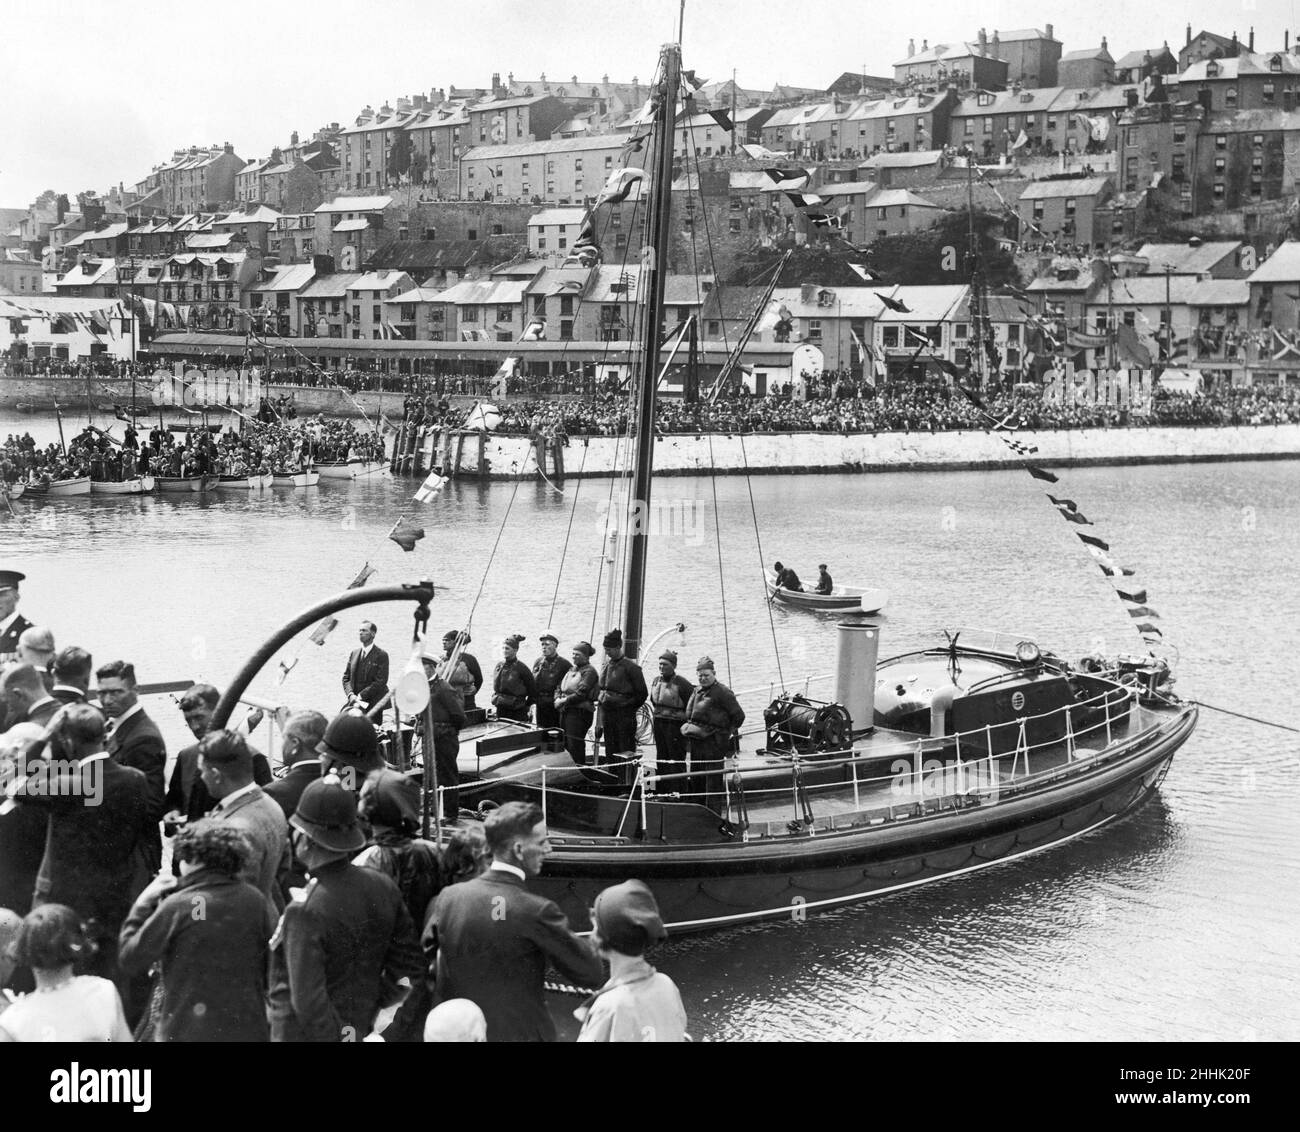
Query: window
<point>469,314</point>
<point>563,242</point>
<point>970,127</point>
<point>1267,92</point>
<point>1275,64</point>
<point>1069,206</point>
<point>1256,187</point>
<point>1013,332</point>
<point>1220,164</point>
<point>960,331</point>
<point>988,125</point>
<point>577,164</point>
<point>1221,141</point>
<point>882,214</point>
<point>356,317</point>
<point>472,234</point>
<point>733,225</point>
<point>984,99</point>
<point>1179,169</point>
<point>620,240</point>
<point>1230,98</point>
<point>523,167</point>
<point>815,328</point>
<point>566,330</point>
<point>1038,210</point>
<point>1218,190</point>
<point>889,336</point>
<point>539,305</point>
<point>550,167</point>
<point>550,188</point>
<point>541,243</point>
<point>1257,140</point>
<point>566,305</point>
<point>1130,318</point>
<point>609,161</point>
<point>505,314</point>
<point>408,312</point>
<point>1051,121</point>
<point>1180,134</point>
<point>376,314</point>
<point>1257,166</point>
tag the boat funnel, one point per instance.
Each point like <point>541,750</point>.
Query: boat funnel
<point>855,671</point>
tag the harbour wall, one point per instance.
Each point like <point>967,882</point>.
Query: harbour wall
<point>476,455</point>
<point>759,453</point>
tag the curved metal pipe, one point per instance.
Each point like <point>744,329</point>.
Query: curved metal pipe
<point>421,592</point>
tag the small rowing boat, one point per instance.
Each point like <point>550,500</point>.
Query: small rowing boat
<point>239,483</point>
<point>180,484</point>
<point>842,599</point>
<point>12,490</point>
<point>140,485</point>
<point>295,479</point>
<point>76,485</point>
<point>348,469</point>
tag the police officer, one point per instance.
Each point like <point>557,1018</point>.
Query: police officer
<point>669,695</point>
<point>12,623</point>
<point>512,683</point>
<point>712,727</point>
<point>350,938</point>
<point>622,692</point>
<point>548,672</point>
<point>575,701</point>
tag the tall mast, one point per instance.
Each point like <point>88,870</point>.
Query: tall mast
<point>654,268</point>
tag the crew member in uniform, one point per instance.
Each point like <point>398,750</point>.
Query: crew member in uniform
<point>512,683</point>
<point>548,671</point>
<point>622,692</point>
<point>824,583</point>
<point>448,711</point>
<point>713,719</point>
<point>575,701</point>
<point>471,665</point>
<point>12,623</point>
<point>669,695</point>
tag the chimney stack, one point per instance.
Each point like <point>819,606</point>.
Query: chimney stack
<point>1250,40</point>
<point>911,48</point>
<point>984,41</point>
<point>1049,32</point>
<point>1189,33</point>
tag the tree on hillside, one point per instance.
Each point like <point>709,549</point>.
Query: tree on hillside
<point>938,255</point>
<point>399,156</point>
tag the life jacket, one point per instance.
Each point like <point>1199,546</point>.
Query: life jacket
<point>509,685</point>
<point>617,689</point>
<point>667,698</point>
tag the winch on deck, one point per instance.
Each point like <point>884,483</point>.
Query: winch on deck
<point>801,725</point>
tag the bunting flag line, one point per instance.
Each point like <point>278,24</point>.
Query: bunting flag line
<point>893,304</point>
<point>723,120</point>
<point>433,484</point>
<point>405,534</point>
<point>1041,474</point>
<point>788,180</point>
<point>806,200</point>
<point>1093,540</point>
<point>618,185</point>
<point>1138,597</point>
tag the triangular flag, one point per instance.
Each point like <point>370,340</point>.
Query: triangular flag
<point>1093,540</point>
<point>405,534</point>
<point>360,579</point>
<point>723,120</point>
<point>1041,474</point>
<point>1137,596</point>
<point>323,630</point>
<point>894,304</point>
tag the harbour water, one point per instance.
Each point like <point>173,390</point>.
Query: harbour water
<point>1177,922</point>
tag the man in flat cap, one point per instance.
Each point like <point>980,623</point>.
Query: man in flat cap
<point>548,673</point>
<point>824,583</point>
<point>713,719</point>
<point>12,623</point>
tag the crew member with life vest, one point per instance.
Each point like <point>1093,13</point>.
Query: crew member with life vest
<point>512,683</point>
<point>622,692</point>
<point>712,727</point>
<point>575,701</point>
<point>548,671</point>
<point>669,695</point>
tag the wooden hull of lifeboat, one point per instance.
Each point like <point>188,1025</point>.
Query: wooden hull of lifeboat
<point>141,485</point>
<point>298,479</point>
<point>348,469</point>
<point>847,857</point>
<point>840,601</point>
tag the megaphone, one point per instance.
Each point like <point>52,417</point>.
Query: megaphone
<point>411,695</point>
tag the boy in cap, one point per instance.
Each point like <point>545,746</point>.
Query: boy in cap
<point>512,683</point>
<point>548,672</point>
<point>637,1003</point>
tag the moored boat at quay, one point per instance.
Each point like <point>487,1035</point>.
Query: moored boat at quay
<point>239,483</point>
<point>74,485</point>
<point>348,469</point>
<point>182,484</point>
<point>139,485</point>
<point>295,479</point>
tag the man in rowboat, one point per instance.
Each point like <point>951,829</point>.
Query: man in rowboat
<point>786,578</point>
<point>824,583</point>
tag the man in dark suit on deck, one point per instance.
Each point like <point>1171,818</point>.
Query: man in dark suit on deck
<point>135,741</point>
<point>365,678</point>
<point>489,939</point>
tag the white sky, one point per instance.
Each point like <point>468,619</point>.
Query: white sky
<point>94,93</point>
